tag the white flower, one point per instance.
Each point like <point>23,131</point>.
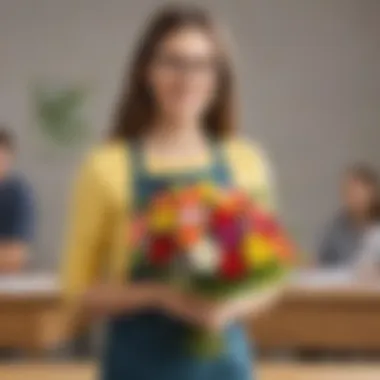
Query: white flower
<point>204,257</point>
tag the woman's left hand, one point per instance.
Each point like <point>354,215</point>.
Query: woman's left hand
<point>217,315</point>
<point>193,309</point>
<point>210,314</point>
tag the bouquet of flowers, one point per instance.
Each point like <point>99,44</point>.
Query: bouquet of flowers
<point>211,241</point>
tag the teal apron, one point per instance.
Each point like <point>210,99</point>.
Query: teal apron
<point>149,345</point>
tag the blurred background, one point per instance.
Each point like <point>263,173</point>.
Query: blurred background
<point>309,74</point>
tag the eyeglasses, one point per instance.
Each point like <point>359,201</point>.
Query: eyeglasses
<point>182,65</point>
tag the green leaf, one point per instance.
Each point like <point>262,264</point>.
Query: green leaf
<point>59,113</point>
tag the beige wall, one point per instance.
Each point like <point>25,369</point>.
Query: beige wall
<point>310,88</point>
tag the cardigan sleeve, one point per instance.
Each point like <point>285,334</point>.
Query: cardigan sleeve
<point>253,172</point>
<point>264,184</point>
<point>86,232</point>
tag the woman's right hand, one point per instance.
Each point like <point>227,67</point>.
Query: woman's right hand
<point>190,308</point>
<point>113,299</point>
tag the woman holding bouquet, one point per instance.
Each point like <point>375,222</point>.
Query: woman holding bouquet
<point>174,126</point>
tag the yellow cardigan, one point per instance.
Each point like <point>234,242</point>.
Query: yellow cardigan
<point>95,245</point>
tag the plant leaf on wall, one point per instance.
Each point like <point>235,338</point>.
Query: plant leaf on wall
<point>59,113</point>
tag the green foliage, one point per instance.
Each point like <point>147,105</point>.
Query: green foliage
<point>215,287</point>
<point>59,113</point>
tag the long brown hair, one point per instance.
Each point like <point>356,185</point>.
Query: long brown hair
<point>368,176</point>
<point>135,109</point>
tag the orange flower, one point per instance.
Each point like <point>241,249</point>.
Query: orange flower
<point>189,196</point>
<point>283,248</point>
<point>189,235</point>
<point>238,200</point>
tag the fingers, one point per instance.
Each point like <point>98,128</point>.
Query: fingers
<point>210,315</point>
<point>103,300</point>
<point>195,310</point>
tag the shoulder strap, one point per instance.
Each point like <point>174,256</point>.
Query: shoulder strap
<point>136,158</point>
<point>220,165</point>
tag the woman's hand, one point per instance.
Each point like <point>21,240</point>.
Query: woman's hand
<point>113,299</point>
<point>251,303</point>
<point>215,315</point>
<point>192,309</point>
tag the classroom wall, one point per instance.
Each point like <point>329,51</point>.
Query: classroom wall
<point>310,90</point>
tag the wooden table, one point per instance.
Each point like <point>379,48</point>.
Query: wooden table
<point>332,311</point>
<point>30,312</point>
<point>264,371</point>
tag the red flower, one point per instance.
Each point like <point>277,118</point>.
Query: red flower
<point>232,266</point>
<point>162,249</point>
<point>221,218</point>
<point>264,223</point>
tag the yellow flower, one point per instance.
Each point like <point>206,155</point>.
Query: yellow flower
<point>207,192</point>
<point>162,219</point>
<point>257,251</point>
